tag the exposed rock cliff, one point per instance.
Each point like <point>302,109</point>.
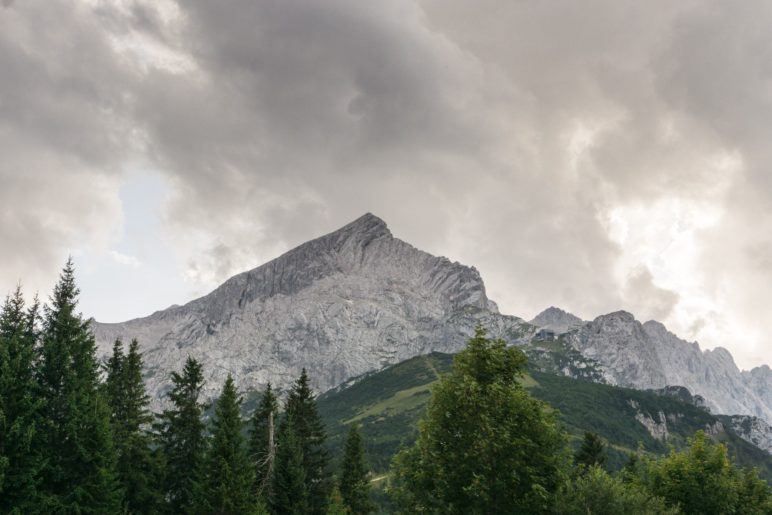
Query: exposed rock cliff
<point>349,302</point>
<point>648,356</point>
<point>753,430</point>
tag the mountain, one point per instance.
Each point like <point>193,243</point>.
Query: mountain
<point>359,299</point>
<point>352,301</point>
<point>556,320</point>
<point>648,356</point>
<point>388,404</point>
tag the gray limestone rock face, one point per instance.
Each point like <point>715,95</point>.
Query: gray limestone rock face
<point>753,430</point>
<point>759,380</point>
<point>352,301</point>
<point>556,320</point>
<point>648,356</point>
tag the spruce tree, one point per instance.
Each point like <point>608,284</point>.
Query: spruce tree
<point>20,407</point>
<point>289,491</point>
<point>592,452</point>
<point>354,480</point>
<point>114,383</point>
<point>138,469</point>
<point>79,476</point>
<point>302,411</point>
<point>182,440</point>
<point>262,441</point>
<point>228,473</point>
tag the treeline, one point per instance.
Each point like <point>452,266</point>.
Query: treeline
<point>77,436</point>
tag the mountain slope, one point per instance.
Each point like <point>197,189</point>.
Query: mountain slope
<point>352,301</point>
<point>390,403</point>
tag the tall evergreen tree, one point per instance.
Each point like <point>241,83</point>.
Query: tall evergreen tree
<point>137,467</point>
<point>114,383</point>
<point>228,472</point>
<point>354,480</point>
<point>289,491</point>
<point>79,475</point>
<point>592,453</point>
<point>20,407</point>
<point>262,441</point>
<point>181,438</point>
<point>302,412</point>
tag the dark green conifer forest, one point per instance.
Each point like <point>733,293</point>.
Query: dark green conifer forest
<point>77,436</point>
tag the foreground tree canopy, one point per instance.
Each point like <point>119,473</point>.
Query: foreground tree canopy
<point>77,436</point>
<point>486,445</point>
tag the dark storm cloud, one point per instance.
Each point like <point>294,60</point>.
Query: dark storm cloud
<point>521,137</point>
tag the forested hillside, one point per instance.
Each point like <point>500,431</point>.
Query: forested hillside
<point>390,403</point>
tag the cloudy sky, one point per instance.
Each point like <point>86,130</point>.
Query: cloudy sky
<point>591,155</point>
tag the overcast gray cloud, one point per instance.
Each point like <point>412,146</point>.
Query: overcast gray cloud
<point>592,155</point>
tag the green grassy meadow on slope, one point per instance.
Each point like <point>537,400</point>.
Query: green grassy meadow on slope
<point>389,403</point>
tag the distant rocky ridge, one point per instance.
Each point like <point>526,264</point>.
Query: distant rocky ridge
<point>556,320</point>
<point>359,299</point>
<point>648,356</point>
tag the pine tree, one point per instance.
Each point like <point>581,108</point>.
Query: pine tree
<point>138,469</point>
<point>262,441</point>
<point>79,475</point>
<point>302,411</point>
<point>181,438</point>
<point>289,491</point>
<point>113,385</point>
<point>20,408</point>
<point>354,481</point>
<point>228,474</point>
<point>592,452</point>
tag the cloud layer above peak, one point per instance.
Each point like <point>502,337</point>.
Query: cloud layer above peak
<point>593,155</point>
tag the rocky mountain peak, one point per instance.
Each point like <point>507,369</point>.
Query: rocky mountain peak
<point>557,320</point>
<point>722,355</point>
<point>345,303</point>
<point>368,223</point>
<point>653,326</point>
<point>616,317</point>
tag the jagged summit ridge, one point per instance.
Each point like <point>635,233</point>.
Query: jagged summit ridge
<point>648,356</point>
<point>345,303</point>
